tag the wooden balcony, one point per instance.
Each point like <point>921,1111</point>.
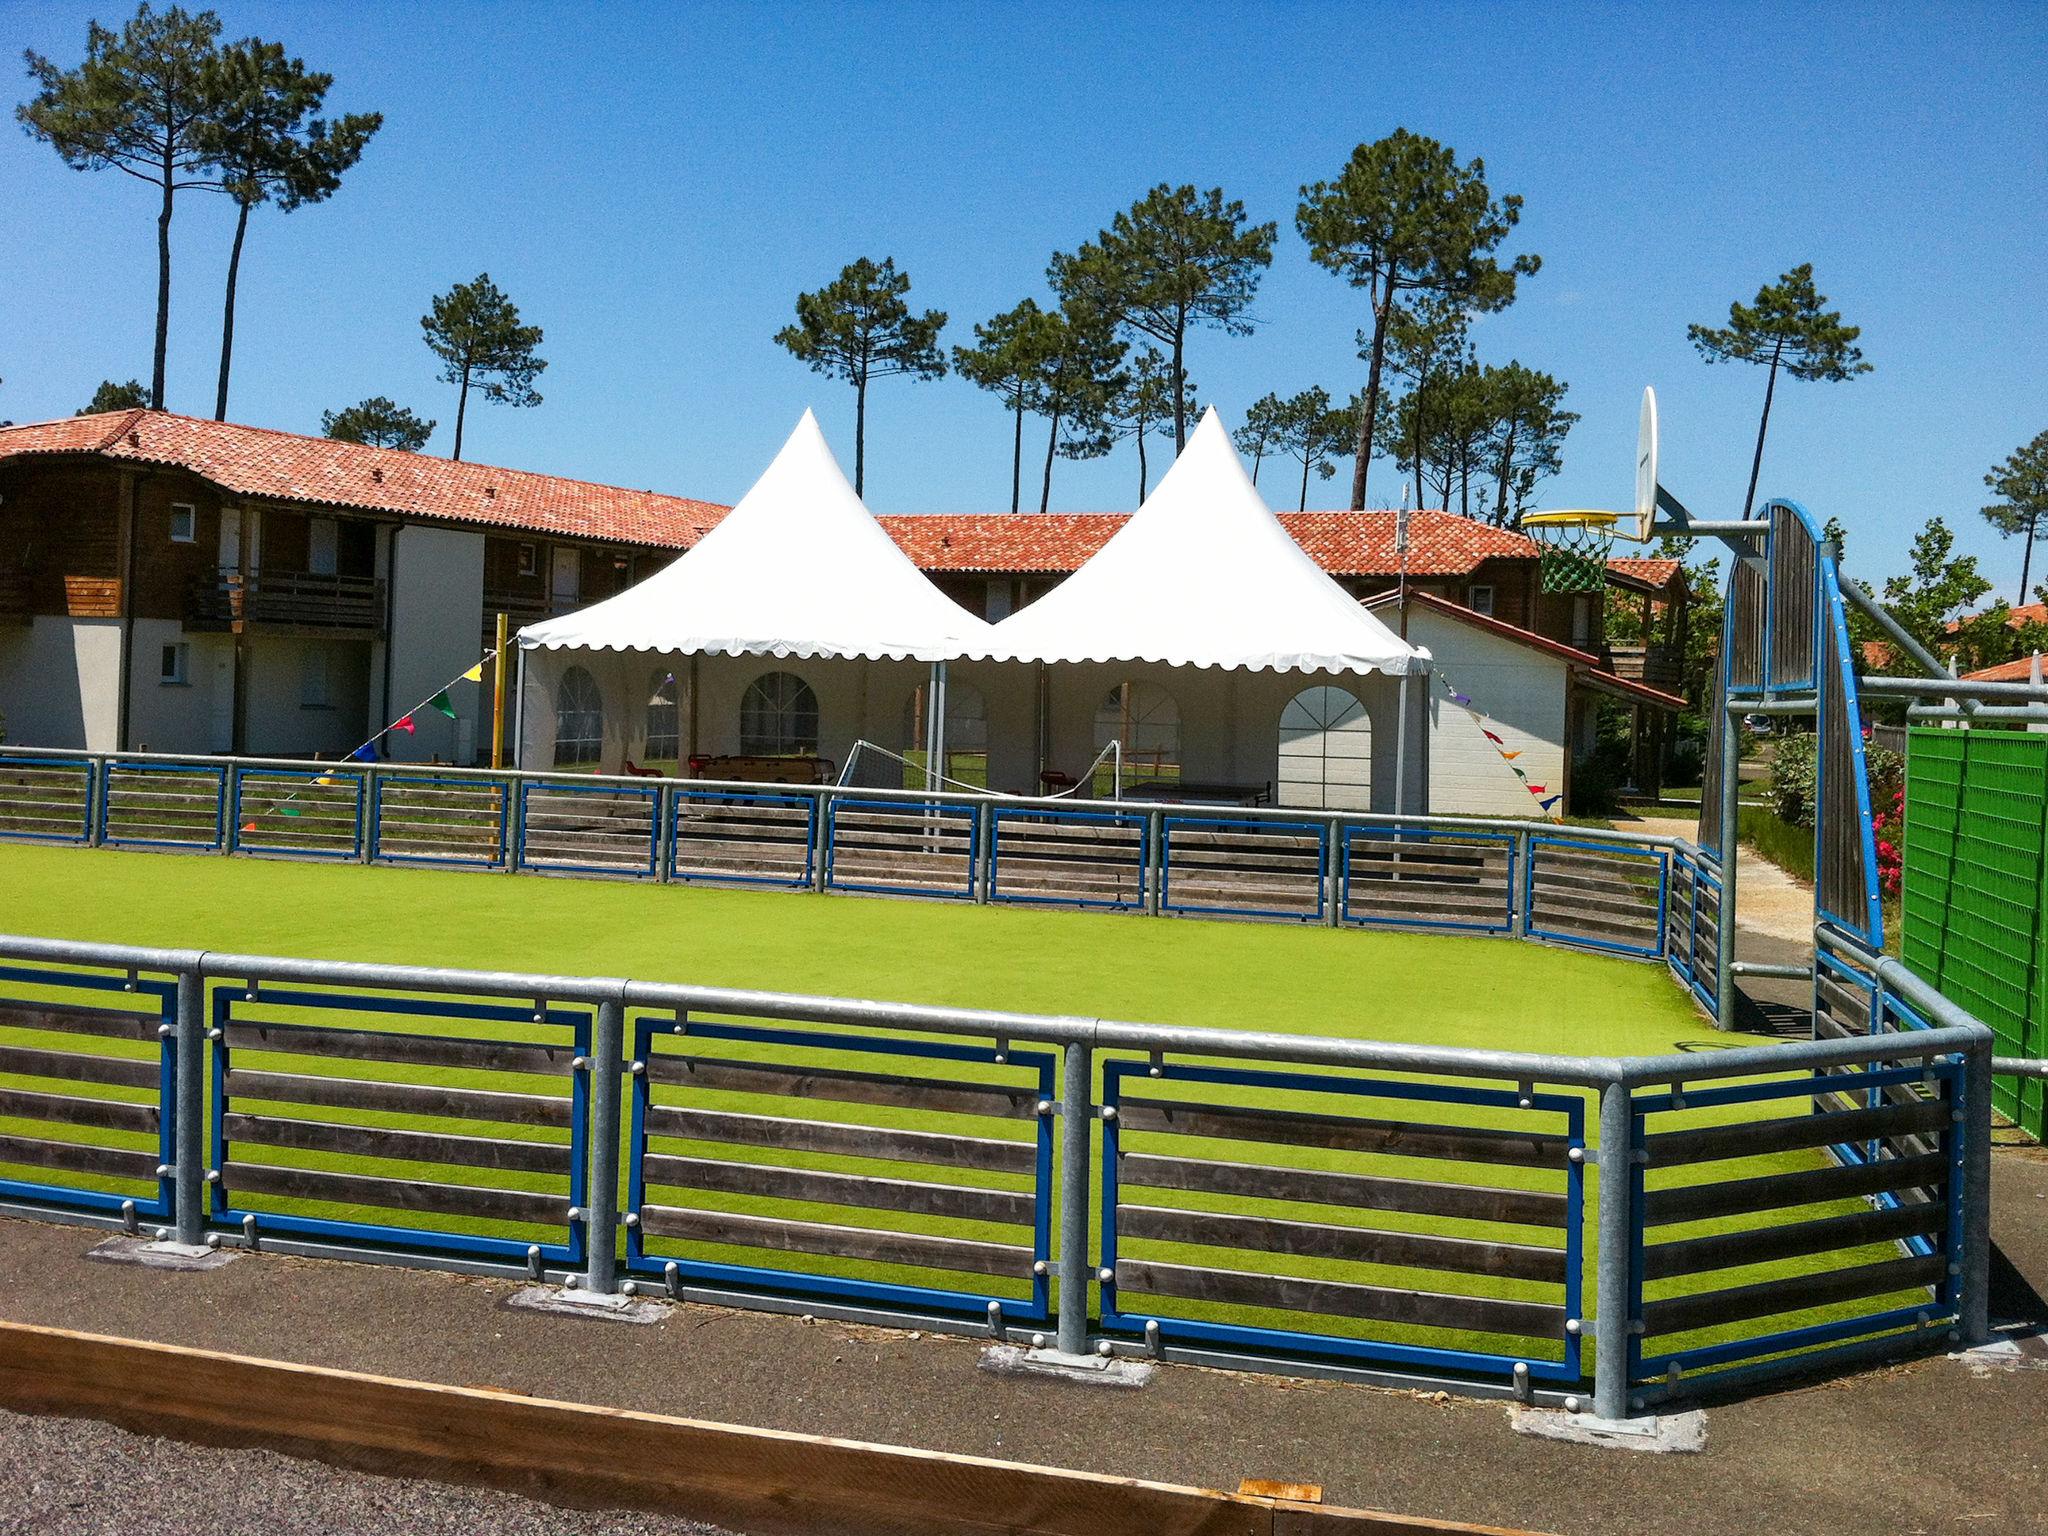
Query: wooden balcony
<point>288,602</point>
<point>13,597</point>
<point>1660,666</point>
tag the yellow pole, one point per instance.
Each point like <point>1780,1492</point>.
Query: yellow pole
<point>498,696</point>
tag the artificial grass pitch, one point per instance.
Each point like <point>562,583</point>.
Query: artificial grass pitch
<point>1422,988</point>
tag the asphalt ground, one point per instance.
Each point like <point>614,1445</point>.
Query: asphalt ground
<point>1933,1445</point>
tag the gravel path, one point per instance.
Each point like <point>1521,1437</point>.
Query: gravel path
<point>76,1477</point>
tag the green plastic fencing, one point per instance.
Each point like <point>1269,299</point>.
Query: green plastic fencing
<point>1976,884</point>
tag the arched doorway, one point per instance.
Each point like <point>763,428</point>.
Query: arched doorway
<point>779,717</point>
<point>579,720</point>
<point>1325,751</point>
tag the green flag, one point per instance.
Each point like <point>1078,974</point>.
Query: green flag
<point>440,701</point>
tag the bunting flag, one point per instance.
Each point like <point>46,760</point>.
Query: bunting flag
<point>441,702</point>
<point>474,675</point>
<point>404,725</point>
<point>248,826</point>
<point>1540,793</point>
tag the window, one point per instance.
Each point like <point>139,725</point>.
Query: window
<point>579,720</point>
<point>1582,621</point>
<point>1146,720</point>
<point>779,717</point>
<point>1325,751</point>
<point>184,522</point>
<point>529,560</point>
<point>175,660</point>
<point>662,735</point>
<point>966,735</point>
<point>1479,598</point>
<point>313,679</point>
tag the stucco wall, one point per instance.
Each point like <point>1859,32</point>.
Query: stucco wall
<point>437,577</point>
<point>59,682</point>
<point>1521,691</point>
<point>178,717</point>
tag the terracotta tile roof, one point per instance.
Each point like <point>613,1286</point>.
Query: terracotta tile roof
<point>1644,571</point>
<point>284,466</point>
<point>2019,670</point>
<point>2017,618</point>
<point>1342,543</point>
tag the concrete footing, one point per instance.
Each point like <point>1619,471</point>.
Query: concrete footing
<point>1666,1433</point>
<point>161,1255</point>
<point>614,1308</point>
<point>1092,1370</point>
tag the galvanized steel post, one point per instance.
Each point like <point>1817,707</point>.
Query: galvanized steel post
<point>664,831</point>
<point>985,851</point>
<point>1975,1280</point>
<point>1155,853</point>
<point>366,814</point>
<point>1518,888</point>
<point>821,837</point>
<point>601,1194</point>
<point>230,807</point>
<point>188,1144</point>
<point>95,801</point>
<point>1729,851</point>
<point>1611,1322</point>
<point>1333,873</point>
<point>1076,1112</point>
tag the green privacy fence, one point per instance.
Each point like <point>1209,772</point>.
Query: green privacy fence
<point>1976,885</point>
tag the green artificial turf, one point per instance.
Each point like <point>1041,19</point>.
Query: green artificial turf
<point>1435,989</point>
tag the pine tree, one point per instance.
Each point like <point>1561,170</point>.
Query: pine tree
<point>474,329</point>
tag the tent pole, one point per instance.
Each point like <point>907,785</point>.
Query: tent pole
<point>1401,750</point>
<point>931,729</point>
<point>693,717</point>
<point>519,713</point>
<point>938,760</point>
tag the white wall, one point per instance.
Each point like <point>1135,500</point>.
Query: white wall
<point>1522,691</point>
<point>437,617</point>
<point>60,681</point>
<point>174,717</point>
<point>281,723</point>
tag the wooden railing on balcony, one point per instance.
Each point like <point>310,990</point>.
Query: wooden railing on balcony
<point>1660,666</point>
<point>13,597</point>
<point>289,600</point>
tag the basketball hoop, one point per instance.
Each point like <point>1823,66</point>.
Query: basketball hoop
<point>1575,548</point>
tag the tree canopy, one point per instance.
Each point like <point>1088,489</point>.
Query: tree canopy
<point>141,102</point>
<point>859,328</point>
<point>1011,349</point>
<point>1788,327</point>
<point>1144,405</point>
<point>1074,385</point>
<point>2020,482</point>
<point>1403,217</point>
<point>267,143</point>
<point>475,330</point>
<point>113,396</point>
<point>1175,259</point>
<point>1260,430</point>
<point>378,422</point>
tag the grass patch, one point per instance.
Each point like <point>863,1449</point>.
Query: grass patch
<point>1785,845</point>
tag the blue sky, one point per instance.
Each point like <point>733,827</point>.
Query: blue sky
<point>654,186</point>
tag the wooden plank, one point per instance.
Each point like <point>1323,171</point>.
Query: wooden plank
<point>414,1146</point>
<point>964,1255</point>
<point>1001,1205</point>
<point>1725,1250</point>
<point>1335,1298</point>
<point>1732,1197</point>
<point>794,1080</point>
<point>105,1023</point>
<point>1344,1133</point>
<point>852,1140</point>
<point>1470,1202</point>
<point>1363,1245</point>
<point>416,1195</point>
<point>390,1045</point>
<point>400,1098</point>
<point>76,1157</point>
<point>1707,1309</point>
<point>117,1071</point>
<point>766,1481</point>
<point>62,1109</point>
<point>1757,1138</point>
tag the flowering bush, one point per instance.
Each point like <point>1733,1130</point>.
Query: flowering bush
<point>1889,823</point>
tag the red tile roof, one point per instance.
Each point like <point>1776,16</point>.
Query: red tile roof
<point>2017,618</point>
<point>1644,570</point>
<point>284,466</point>
<point>2018,670</point>
<point>1342,543</point>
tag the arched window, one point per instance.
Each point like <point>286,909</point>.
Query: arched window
<point>1325,751</point>
<point>579,720</point>
<point>661,718</point>
<point>966,734</point>
<point>778,717</point>
<point>1146,720</point>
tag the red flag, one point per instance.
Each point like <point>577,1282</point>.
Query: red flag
<point>405,725</point>
<point>1489,736</point>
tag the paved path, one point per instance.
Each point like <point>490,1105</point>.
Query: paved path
<point>1768,901</point>
<point>1922,1447</point>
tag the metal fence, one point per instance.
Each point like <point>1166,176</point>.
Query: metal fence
<point>1592,889</point>
<point>1262,1200</point>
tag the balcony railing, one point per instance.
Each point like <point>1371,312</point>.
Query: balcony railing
<point>1660,666</point>
<point>292,600</point>
<point>13,597</point>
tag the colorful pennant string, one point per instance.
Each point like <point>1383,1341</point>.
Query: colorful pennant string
<point>1538,792</point>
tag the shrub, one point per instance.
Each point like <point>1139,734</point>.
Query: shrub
<point>1793,772</point>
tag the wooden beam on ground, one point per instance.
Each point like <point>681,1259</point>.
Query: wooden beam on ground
<point>756,1480</point>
